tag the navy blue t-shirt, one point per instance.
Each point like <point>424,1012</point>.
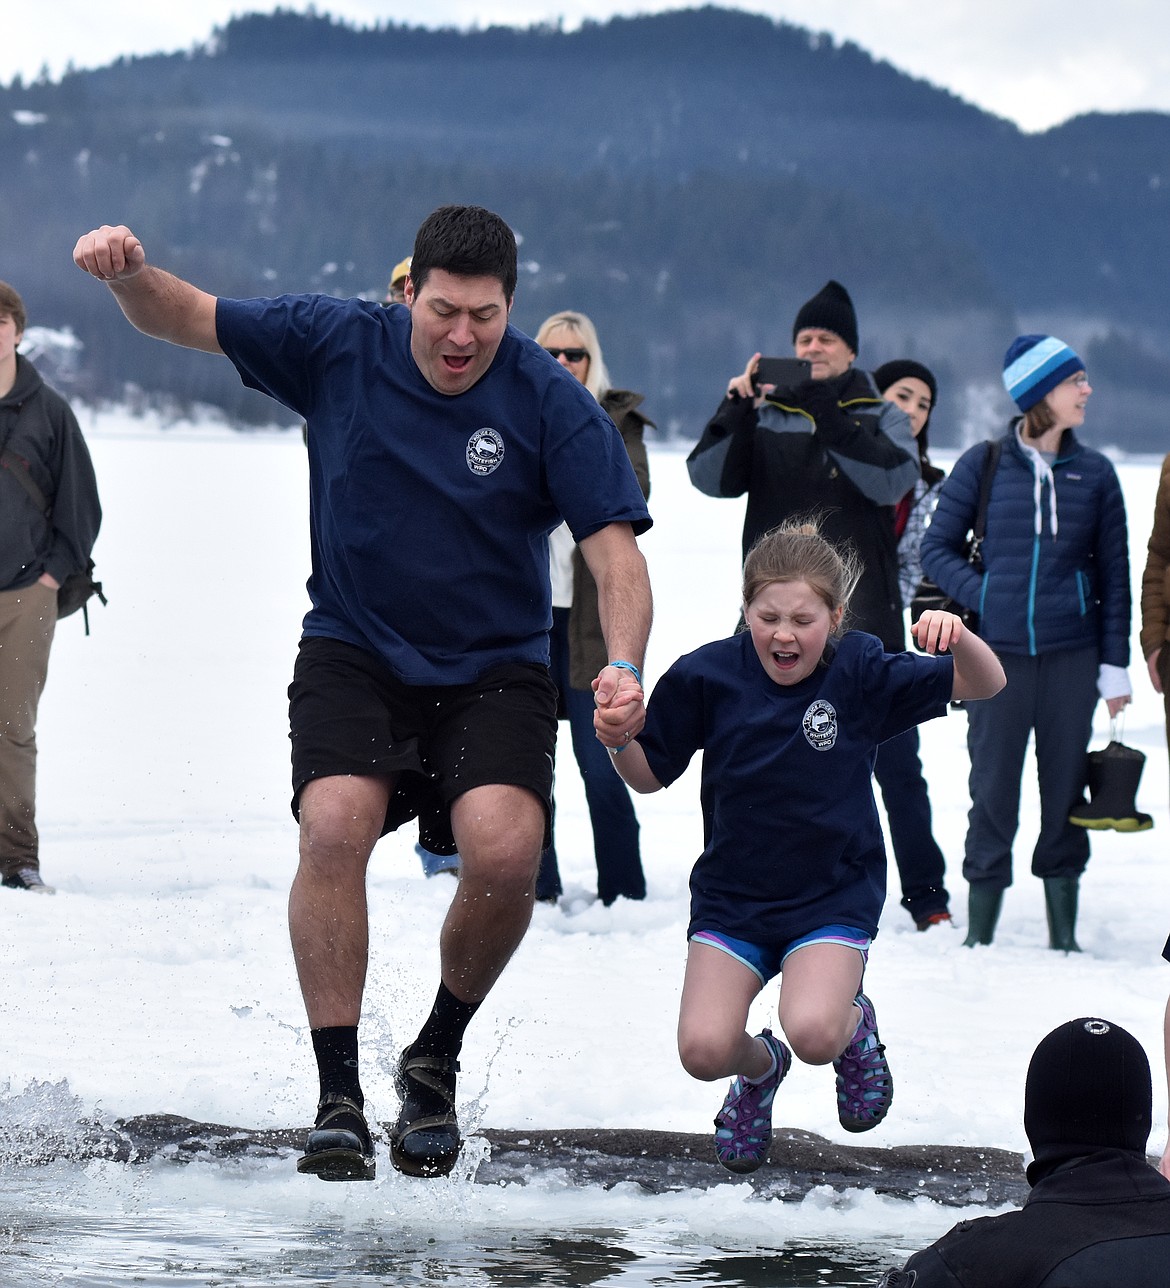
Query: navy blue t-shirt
<point>430,513</point>
<point>790,829</point>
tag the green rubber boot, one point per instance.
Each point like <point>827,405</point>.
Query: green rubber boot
<point>1060,899</point>
<point>983,904</point>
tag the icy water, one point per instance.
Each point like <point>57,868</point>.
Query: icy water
<point>247,1224</point>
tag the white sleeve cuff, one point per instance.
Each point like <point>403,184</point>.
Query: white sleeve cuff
<point>1113,682</point>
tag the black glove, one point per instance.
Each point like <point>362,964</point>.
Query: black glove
<point>817,397</point>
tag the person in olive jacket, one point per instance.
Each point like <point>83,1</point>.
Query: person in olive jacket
<point>40,437</point>
<point>576,641</point>
<point>1155,632</point>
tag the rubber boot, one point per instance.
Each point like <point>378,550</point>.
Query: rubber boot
<point>1060,900</point>
<point>983,904</point>
<point>1113,778</point>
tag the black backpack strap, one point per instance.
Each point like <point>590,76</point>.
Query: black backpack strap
<point>19,471</point>
<point>990,464</point>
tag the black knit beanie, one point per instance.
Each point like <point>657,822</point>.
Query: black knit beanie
<point>830,309</point>
<point>1088,1088</point>
<point>889,373</point>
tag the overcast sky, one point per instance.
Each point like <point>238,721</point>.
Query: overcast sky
<point>1035,63</point>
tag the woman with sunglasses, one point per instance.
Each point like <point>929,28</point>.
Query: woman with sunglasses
<point>1053,598</point>
<point>576,641</point>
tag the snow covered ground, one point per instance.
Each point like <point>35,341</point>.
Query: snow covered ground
<point>160,977</point>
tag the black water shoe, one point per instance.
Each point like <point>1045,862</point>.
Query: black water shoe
<point>425,1140</point>
<point>339,1147</point>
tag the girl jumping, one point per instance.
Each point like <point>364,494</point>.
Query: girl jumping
<point>789,714</point>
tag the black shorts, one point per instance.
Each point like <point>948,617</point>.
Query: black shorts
<point>350,715</point>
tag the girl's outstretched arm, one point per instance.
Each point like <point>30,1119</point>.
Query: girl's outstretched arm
<point>631,765</point>
<point>978,673</point>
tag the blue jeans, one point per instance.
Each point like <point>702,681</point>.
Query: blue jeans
<point>433,864</point>
<point>611,811</point>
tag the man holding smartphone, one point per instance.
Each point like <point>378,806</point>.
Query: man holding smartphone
<point>812,435</point>
<point>827,444</point>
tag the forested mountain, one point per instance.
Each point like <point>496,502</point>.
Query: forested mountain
<point>688,179</point>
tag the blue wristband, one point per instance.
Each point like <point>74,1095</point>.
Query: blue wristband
<point>633,670</point>
<point>628,666</point>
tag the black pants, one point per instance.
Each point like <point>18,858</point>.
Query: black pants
<point>921,865</point>
<point>1054,696</point>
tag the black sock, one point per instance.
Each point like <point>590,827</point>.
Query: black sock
<point>442,1034</point>
<point>337,1061</point>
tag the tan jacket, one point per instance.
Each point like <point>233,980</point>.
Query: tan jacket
<point>1156,577</point>
<point>587,653</point>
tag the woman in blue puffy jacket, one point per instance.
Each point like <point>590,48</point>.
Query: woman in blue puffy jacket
<point>1053,597</point>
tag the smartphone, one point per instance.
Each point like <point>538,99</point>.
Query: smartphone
<point>782,373</point>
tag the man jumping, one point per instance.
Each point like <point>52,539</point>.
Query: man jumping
<point>444,446</point>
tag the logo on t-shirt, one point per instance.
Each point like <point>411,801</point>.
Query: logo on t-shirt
<point>820,725</point>
<point>485,451</point>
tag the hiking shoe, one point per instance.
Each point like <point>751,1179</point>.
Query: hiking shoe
<point>943,918</point>
<point>743,1127</point>
<point>864,1086</point>
<point>339,1147</point>
<point>27,879</point>
<point>425,1140</point>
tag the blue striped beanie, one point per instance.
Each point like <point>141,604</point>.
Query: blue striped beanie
<point>1036,364</point>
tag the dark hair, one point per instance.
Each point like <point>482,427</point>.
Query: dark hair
<point>796,551</point>
<point>468,241</point>
<point>1038,419</point>
<point>11,305</point>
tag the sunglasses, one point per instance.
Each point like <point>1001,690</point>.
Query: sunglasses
<point>571,355</point>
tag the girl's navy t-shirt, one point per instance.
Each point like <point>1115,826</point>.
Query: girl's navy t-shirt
<point>791,837</point>
<point>430,513</point>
